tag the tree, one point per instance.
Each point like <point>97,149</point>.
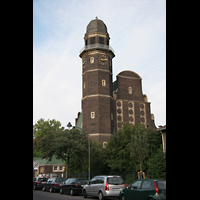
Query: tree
<point>40,130</point>
<point>65,145</point>
<point>139,145</point>
<point>42,127</point>
<point>157,164</point>
<point>128,149</point>
<point>117,151</point>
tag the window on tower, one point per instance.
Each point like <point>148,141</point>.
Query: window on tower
<point>107,42</point>
<point>101,40</point>
<point>104,82</point>
<point>92,115</point>
<point>130,90</point>
<point>92,40</point>
<point>92,60</point>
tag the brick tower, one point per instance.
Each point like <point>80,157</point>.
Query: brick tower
<point>97,86</point>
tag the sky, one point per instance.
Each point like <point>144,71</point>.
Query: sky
<point>137,30</point>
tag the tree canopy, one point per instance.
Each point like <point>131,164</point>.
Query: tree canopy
<point>131,149</point>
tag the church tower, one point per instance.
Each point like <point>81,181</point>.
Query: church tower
<point>97,87</point>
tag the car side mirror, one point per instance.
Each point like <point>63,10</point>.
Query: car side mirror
<point>128,187</point>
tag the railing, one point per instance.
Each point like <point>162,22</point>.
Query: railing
<point>91,46</point>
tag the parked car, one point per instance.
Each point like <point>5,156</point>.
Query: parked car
<point>144,189</point>
<point>53,184</point>
<point>38,183</point>
<point>104,186</point>
<point>73,186</point>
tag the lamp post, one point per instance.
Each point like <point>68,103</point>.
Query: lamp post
<point>70,125</point>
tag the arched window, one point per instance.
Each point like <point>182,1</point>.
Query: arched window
<point>130,90</point>
<point>104,82</point>
<point>92,115</point>
<point>92,60</point>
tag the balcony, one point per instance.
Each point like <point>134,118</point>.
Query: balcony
<point>96,46</point>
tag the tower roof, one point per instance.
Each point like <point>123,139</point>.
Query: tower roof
<point>130,74</point>
<point>96,25</point>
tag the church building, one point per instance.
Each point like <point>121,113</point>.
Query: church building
<point>106,104</point>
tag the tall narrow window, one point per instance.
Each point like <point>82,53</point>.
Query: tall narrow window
<point>130,90</point>
<point>101,40</point>
<point>92,60</point>
<point>104,82</point>
<point>92,40</point>
<point>92,115</point>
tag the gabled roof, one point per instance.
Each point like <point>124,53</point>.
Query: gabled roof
<point>47,162</point>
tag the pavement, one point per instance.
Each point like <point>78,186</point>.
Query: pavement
<point>40,195</point>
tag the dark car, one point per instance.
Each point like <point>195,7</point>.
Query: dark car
<point>53,184</point>
<point>73,186</point>
<point>144,189</point>
<point>38,183</point>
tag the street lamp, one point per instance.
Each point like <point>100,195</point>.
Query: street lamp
<point>70,125</point>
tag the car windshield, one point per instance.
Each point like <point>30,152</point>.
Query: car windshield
<point>115,180</point>
<point>161,185</point>
<point>82,181</point>
<point>60,179</point>
<point>42,179</point>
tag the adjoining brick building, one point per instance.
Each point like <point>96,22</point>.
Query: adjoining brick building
<point>106,104</point>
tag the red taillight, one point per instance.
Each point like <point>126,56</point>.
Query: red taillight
<point>107,186</point>
<point>55,184</point>
<point>156,187</point>
<point>76,185</point>
<point>38,182</point>
<point>124,185</point>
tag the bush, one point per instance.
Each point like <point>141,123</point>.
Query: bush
<point>157,164</point>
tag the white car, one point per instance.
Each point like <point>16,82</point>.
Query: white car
<point>104,186</point>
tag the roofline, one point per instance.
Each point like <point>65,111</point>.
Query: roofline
<point>51,164</point>
<point>128,76</point>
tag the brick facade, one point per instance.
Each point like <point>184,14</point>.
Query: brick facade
<point>103,109</point>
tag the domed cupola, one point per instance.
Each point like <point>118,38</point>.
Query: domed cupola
<point>96,25</point>
<point>96,37</point>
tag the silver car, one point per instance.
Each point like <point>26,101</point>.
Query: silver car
<point>104,186</point>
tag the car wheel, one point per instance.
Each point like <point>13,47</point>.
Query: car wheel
<point>34,187</point>
<point>84,193</point>
<point>50,189</point>
<point>101,197</point>
<point>43,189</point>
<point>71,192</point>
<point>123,197</point>
<point>61,192</point>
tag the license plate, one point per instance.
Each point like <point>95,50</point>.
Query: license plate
<point>116,189</point>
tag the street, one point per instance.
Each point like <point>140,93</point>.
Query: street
<point>40,195</point>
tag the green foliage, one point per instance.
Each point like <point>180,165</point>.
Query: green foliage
<point>139,145</point>
<point>66,145</point>
<point>128,149</point>
<point>40,130</point>
<point>157,164</point>
<point>131,149</point>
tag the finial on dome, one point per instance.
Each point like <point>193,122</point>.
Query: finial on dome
<point>96,17</point>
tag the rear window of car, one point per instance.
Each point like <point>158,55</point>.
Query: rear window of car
<point>161,185</point>
<point>60,179</point>
<point>115,180</point>
<point>42,179</point>
<point>82,181</point>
